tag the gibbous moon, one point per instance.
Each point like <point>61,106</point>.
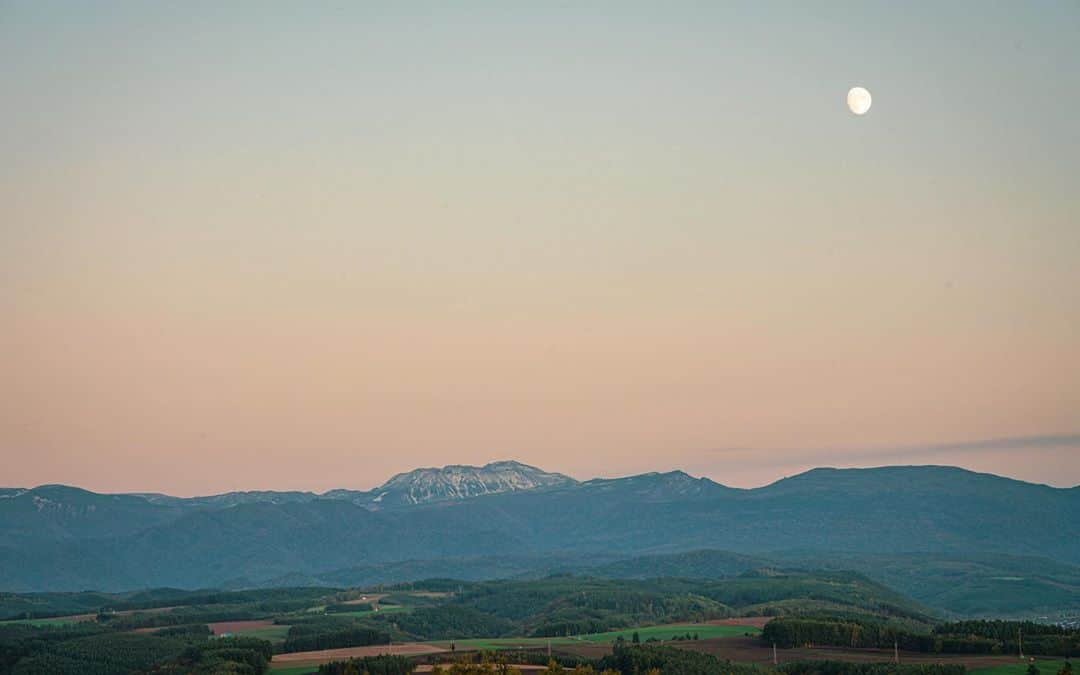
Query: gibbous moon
<point>858,100</point>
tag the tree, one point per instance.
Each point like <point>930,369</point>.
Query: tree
<point>636,639</point>
<point>1032,669</point>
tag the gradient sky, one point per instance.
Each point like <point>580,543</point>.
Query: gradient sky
<point>300,246</point>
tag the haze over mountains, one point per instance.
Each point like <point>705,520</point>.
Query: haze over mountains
<point>507,518</point>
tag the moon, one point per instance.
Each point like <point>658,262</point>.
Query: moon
<point>858,100</point>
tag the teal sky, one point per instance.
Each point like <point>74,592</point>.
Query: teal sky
<point>315,245</point>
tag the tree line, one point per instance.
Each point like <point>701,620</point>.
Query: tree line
<point>967,637</point>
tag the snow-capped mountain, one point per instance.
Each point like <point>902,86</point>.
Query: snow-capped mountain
<point>462,482</point>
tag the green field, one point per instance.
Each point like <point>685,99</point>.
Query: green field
<point>383,609</point>
<point>666,632</point>
<point>703,631</point>
<point>295,670</point>
<point>492,644</point>
<point>1046,667</point>
<point>59,621</point>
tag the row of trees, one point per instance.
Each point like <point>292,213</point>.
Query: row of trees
<point>1000,630</point>
<point>371,665</point>
<point>630,659</point>
<point>974,637</point>
<point>304,638</point>
<point>94,650</point>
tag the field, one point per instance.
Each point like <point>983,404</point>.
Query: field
<point>599,642</point>
<point>382,609</point>
<point>263,629</point>
<point>666,633</point>
<point>723,641</point>
<point>591,615</point>
<point>308,670</point>
<point>81,618</point>
<point>57,621</point>
<point>1017,667</point>
<point>309,659</point>
<point>751,650</point>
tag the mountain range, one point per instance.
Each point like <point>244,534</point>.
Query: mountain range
<point>507,518</point>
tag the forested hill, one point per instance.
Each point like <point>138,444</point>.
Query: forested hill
<point>56,537</point>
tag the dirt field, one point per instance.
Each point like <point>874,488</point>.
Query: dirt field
<point>589,650</point>
<point>326,655</point>
<point>222,627</point>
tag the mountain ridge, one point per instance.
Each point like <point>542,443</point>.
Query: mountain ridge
<point>54,538</point>
<point>7,492</point>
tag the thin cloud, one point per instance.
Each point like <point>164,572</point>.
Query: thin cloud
<point>913,452</point>
<point>1049,442</point>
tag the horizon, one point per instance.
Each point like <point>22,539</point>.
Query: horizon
<point>324,245</point>
<point>577,479</point>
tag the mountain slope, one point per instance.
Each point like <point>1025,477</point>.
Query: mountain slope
<point>57,513</point>
<point>64,538</point>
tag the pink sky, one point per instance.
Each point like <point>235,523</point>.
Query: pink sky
<point>312,251</point>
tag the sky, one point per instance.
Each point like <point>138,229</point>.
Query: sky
<point>307,246</point>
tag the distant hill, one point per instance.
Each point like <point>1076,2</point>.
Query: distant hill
<point>970,584</point>
<point>984,585</point>
<point>56,537</point>
<point>987,585</point>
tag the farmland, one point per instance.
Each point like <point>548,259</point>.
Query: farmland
<point>1016,667</point>
<point>579,619</point>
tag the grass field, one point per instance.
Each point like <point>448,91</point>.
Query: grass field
<point>492,644</point>
<point>703,631</point>
<point>1046,667</point>
<point>60,621</point>
<point>383,609</point>
<point>666,632</point>
<point>296,670</point>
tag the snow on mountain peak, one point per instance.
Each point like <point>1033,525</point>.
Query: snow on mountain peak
<point>459,481</point>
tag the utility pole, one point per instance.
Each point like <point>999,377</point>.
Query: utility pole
<point>896,651</point>
<point>1020,636</point>
<point>774,662</point>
